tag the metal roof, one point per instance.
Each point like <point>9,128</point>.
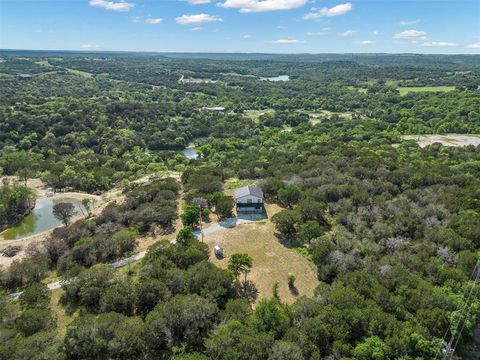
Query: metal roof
<point>248,190</point>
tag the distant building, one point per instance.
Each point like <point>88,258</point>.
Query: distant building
<point>249,199</point>
<point>214,109</point>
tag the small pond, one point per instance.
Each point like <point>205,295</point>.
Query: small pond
<point>190,152</point>
<point>40,219</point>
<point>278,78</point>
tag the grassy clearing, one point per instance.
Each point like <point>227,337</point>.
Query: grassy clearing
<point>234,183</point>
<point>84,74</point>
<point>415,89</point>
<point>318,116</point>
<point>255,114</point>
<point>359,89</point>
<point>44,63</point>
<point>63,319</point>
<point>272,262</point>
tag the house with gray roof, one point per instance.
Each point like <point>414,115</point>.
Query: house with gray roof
<point>249,199</point>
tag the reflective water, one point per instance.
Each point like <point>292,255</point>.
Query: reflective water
<point>190,153</point>
<point>278,78</point>
<point>40,219</point>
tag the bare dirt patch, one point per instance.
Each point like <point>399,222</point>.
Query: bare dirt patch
<point>456,140</point>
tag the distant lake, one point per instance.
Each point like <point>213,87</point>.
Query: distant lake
<point>190,153</point>
<point>40,219</point>
<point>278,78</point>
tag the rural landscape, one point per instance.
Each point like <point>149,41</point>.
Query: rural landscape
<point>124,233</point>
<point>239,180</point>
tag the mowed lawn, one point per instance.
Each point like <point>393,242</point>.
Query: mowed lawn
<point>272,262</point>
<point>406,90</point>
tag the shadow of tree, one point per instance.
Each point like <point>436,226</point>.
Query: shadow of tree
<point>293,289</point>
<point>247,291</point>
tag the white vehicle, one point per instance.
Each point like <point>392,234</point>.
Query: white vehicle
<point>218,251</point>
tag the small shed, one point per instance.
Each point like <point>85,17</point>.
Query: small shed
<point>249,199</point>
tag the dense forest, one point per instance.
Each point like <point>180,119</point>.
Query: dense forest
<point>392,228</point>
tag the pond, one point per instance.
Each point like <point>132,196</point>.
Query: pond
<point>278,78</point>
<point>40,219</point>
<point>190,152</point>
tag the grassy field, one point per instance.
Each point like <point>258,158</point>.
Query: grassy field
<point>80,73</point>
<point>406,90</point>
<point>316,117</point>
<point>272,261</point>
<point>63,319</point>
<point>359,89</point>
<point>255,114</point>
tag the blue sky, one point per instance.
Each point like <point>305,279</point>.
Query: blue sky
<point>276,26</point>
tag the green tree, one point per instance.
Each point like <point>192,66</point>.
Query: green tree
<point>34,320</point>
<point>64,212</point>
<point>285,222</point>
<point>240,264</point>
<point>190,215</point>
<point>36,295</point>
<point>285,350</point>
<point>235,341</point>
<point>372,348</point>
<point>224,206</point>
<point>270,317</point>
<point>289,196</point>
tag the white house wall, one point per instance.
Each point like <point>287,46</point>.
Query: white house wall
<point>244,199</point>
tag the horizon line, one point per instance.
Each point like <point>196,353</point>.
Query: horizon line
<point>90,51</point>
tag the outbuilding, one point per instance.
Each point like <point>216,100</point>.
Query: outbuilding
<point>249,199</point>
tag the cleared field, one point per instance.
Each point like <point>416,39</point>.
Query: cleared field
<point>272,262</point>
<point>359,89</point>
<point>413,89</point>
<point>255,114</point>
<point>80,73</point>
<point>446,140</point>
<point>316,117</point>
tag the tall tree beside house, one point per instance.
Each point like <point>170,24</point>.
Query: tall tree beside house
<point>289,195</point>
<point>224,206</point>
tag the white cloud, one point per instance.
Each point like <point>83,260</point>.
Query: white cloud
<point>112,5</point>
<point>347,33</point>
<point>409,22</point>
<point>439,44</point>
<point>281,27</point>
<point>89,46</point>
<point>197,28</point>
<point>410,34</point>
<point>376,33</point>
<point>197,19</point>
<point>365,42</point>
<point>154,21</point>
<point>324,31</point>
<point>337,10</point>
<point>288,41</point>
<point>199,2</point>
<point>247,36</point>
<point>247,6</point>
<point>474,46</point>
